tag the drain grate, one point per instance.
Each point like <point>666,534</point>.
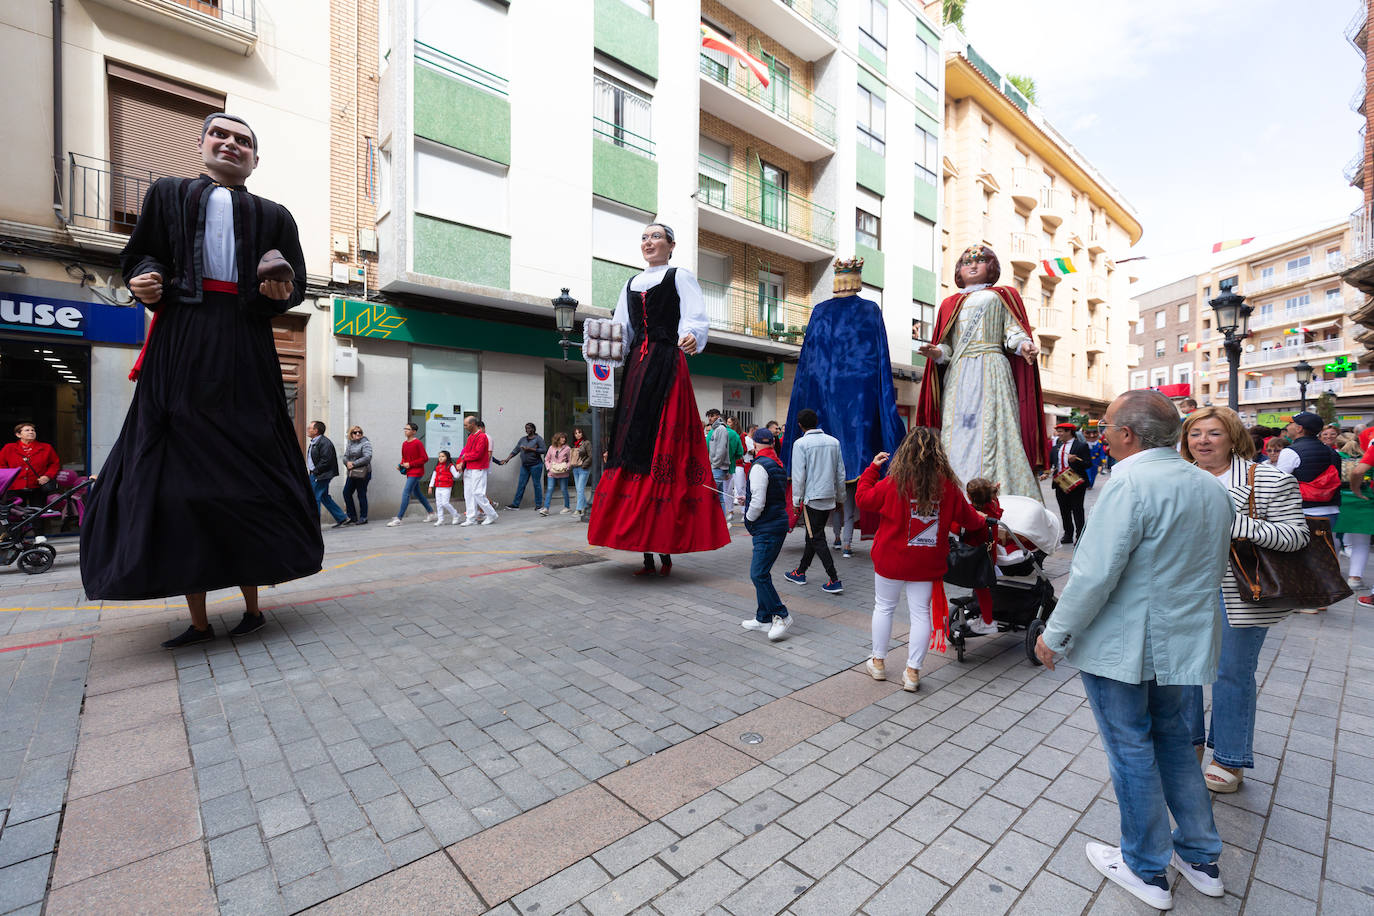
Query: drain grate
<point>564,560</point>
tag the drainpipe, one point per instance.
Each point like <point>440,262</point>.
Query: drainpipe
<point>57,157</point>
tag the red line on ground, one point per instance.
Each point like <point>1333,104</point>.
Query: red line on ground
<point>51,642</point>
<point>512,569</point>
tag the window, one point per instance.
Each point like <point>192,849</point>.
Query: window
<point>773,196</point>
<point>461,188</point>
<point>925,244</point>
<point>716,64</point>
<point>1159,347</point>
<point>1300,264</point>
<point>872,120</point>
<point>778,96</point>
<point>867,229</point>
<point>621,115</point>
<point>1228,284</point>
<point>1266,313</point>
<point>927,156</point>
<point>1140,325</point>
<point>928,67</point>
<point>873,27</point>
<point>1138,379</point>
<point>1333,296</point>
<point>1183,312</point>
<point>1182,343</point>
<point>475,32</point>
<point>1160,319</point>
<point>449,379</point>
<point>772,289</point>
<point>923,322</point>
<point>713,172</point>
<point>1266,274</point>
<point>1294,306</point>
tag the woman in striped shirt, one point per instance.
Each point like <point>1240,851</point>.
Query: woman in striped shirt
<point>1215,440</point>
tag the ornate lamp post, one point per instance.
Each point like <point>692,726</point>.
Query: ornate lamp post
<point>1233,323</point>
<point>1304,373</point>
<point>564,320</point>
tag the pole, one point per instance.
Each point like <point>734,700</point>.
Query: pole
<point>1233,358</point>
<point>1302,397</point>
<point>597,447</point>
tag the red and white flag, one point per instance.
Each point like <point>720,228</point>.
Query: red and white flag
<point>1218,247</point>
<point>712,39</point>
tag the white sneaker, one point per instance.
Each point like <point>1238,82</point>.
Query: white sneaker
<point>1107,860</point>
<point>429,517</point>
<point>565,512</point>
<point>780,627</point>
<point>978,628</point>
<point>465,523</point>
<point>438,523</point>
<point>393,523</point>
<point>752,624</point>
<point>1205,878</point>
<point>489,521</point>
<point>543,512</point>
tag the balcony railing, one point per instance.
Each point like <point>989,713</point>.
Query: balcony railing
<point>744,311</point>
<point>461,69</point>
<point>763,202</point>
<point>1290,392</point>
<point>821,13</point>
<point>1332,264</point>
<point>103,195</point>
<point>1355,30</point>
<point>242,13</point>
<point>1284,354</point>
<point>1097,289</point>
<point>1025,247</point>
<point>1054,199</point>
<point>1026,184</point>
<point>1279,317</point>
<point>1051,321</point>
<point>1353,173</point>
<point>1362,241</point>
<point>782,96</point>
<point>614,133</point>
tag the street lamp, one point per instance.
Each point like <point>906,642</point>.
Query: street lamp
<point>1233,322</point>
<point>564,320</point>
<point>1304,373</point>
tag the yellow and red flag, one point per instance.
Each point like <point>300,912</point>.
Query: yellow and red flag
<point>1230,243</point>
<point>712,39</point>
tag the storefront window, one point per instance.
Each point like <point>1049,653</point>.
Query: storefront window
<point>444,385</point>
<point>47,384</point>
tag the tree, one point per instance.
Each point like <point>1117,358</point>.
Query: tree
<point>953,11</point>
<point>1325,407</point>
<point>1025,83</point>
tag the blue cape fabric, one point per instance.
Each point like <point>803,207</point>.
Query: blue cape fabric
<point>845,375</point>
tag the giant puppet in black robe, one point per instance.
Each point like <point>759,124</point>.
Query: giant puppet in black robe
<point>206,486</point>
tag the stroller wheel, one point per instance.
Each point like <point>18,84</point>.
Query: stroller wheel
<point>37,559</point>
<point>1033,631</point>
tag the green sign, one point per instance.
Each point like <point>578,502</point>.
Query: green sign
<point>1339,367</point>
<point>353,318</point>
<point>1276,420</point>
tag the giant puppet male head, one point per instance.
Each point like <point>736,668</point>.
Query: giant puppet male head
<point>229,148</point>
<point>978,264</point>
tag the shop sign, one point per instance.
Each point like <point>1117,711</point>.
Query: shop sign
<point>600,385</point>
<point>31,314</point>
<point>1275,420</point>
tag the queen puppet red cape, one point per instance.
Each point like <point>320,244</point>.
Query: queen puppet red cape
<point>1025,375</point>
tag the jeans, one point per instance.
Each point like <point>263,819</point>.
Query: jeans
<point>721,477</point>
<point>580,476</point>
<point>356,485</point>
<point>322,498</point>
<point>527,474</point>
<point>814,521</point>
<point>553,485</point>
<point>1145,734</point>
<point>413,488</point>
<point>1233,698</point>
<point>767,546</point>
<point>842,521</point>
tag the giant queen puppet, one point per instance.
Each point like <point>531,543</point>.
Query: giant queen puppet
<point>981,386</point>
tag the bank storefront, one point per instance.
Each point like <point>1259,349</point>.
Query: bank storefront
<point>64,364</point>
<point>433,368</point>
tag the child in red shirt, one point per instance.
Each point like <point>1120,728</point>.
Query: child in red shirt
<point>917,503</point>
<point>982,493</point>
<point>441,486</point>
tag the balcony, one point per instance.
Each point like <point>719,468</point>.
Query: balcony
<point>1096,338</point>
<point>1359,262</point>
<point>1097,289</point>
<point>743,311</point>
<point>784,114</point>
<point>1332,264</point>
<point>1275,355</point>
<point>741,206</point>
<point>1022,255</point>
<point>1052,325</point>
<point>1358,100</point>
<point>1026,184</point>
<point>104,199</point>
<point>1286,317</point>
<point>1315,389</point>
<point>1134,354</point>
<point>1357,31</point>
<point>230,24</point>
<point>1353,173</point>
<point>1097,240</point>
<point>1050,254</point>
<point>807,28</point>
<point>1054,206</point>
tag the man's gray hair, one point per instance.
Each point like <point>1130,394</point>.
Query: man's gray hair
<point>1151,416</point>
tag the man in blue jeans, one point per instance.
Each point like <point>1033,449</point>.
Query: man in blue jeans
<point>1140,618</point>
<point>765,518</point>
<point>531,450</point>
<point>718,450</point>
<point>323,462</point>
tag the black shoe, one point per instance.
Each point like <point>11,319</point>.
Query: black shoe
<point>250,623</point>
<point>1066,539</point>
<point>192,635</point>
<point>342,524</point>
<point>361,521</point>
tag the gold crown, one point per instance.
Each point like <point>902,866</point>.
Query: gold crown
<point>851,266</point>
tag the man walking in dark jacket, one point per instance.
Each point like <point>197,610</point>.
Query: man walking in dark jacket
<point>531,450</point>
<point>1069,454</point>
<point>323,464</point>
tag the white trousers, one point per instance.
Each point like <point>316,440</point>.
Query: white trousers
<point>739,486</point>
<point>442,503</point>
<point>1359,552</point>
<point>475,492</point>
<point>885,594</point>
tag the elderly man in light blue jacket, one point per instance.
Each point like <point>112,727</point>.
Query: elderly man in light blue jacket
<point>1141,619</point>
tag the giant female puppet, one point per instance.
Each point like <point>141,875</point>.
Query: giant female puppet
<point>981,387</point>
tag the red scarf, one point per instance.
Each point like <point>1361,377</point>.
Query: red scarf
<point>766,451</point>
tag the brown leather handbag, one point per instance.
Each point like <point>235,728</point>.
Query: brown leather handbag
<point>1283,581</point>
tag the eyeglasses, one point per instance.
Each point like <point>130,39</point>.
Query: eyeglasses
<point>656,236</point>
<point>355,432</point>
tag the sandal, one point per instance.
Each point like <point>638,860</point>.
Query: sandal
<point>1221,780</point>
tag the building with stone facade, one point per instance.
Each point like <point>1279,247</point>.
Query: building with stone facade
<point>1168,322</point>
<point>1012,181</point>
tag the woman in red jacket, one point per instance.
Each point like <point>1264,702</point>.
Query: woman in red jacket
<point>37,463</point>
<point>917,503</point>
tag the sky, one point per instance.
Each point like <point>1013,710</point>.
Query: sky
<point>1215,119</point>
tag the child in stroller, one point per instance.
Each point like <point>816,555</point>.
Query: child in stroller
<point>1023,596</point>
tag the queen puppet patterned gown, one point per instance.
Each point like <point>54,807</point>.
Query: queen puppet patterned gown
<point>980,416</point>
<point>656,495</point>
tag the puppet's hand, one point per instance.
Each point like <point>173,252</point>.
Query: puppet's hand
<point>688,343</point>
<point>931,352</point>
<point>279,290</point>
<point>1029,351</point>
<point>147,288</point>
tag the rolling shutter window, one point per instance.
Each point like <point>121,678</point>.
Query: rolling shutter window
<point>154,125</point>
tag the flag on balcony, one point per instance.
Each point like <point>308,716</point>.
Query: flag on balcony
<point>1190,347</point>
<point>712,39</point>
<point>1295,330</point>
<point>1059,267</point>
<point>1230,243</point>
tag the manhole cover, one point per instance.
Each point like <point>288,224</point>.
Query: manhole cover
<point>564,560</point>
<point>751,738</point>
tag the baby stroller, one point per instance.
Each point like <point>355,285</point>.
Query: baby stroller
<point>19,538</point>
<point>1023,596</point>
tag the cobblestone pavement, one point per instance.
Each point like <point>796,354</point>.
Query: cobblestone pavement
<point>457,720</point>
